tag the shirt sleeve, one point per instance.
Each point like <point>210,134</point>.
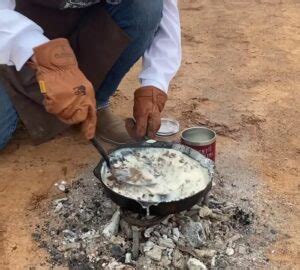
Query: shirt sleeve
<point>18,36</point>
<point>162,60</point>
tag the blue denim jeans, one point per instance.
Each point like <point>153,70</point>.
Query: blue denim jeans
<point>8,118</point>
<point>140,20</point>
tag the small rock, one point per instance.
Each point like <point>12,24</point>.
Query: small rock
<point>69,234</point>
<point>148,232</point>
<point>118,266</point>
<point>60,200</point>
<point>148,246</point>
<point>194,264</point>
<point>207,253</point>
<point>117,240</point>
<point>157,234</point>
<point>69,246</point>
<point>205,212</point>
<point>229,251</point>
<point>144,263</point>
<point>128,258</point>
<point>167,243</point>
<point>196,207</point>
<point>117,251</point>
<point>219,243</point>
<point>165,230</point>
<point>176,234</point>
<point>62,186</point>
<point>58,207</point>
<point>155,253</point>
<point>181,242</point>
<point>178,259</point>
<point>165,261</point>
<point>92,234</point>
<point>112,227</point>
<point>242,250</point>
<point>213,262</point>
<point>194,233</point>
<point>91,251</point>
<point>169,253</point>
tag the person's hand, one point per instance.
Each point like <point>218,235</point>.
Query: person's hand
<point>149,102</point>
<point>67,92</point>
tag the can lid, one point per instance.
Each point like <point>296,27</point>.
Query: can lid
<point>168,127</point>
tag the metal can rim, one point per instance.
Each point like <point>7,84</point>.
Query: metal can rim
<point>194,143</point>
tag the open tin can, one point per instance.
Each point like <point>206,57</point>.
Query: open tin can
<point>201,139</point>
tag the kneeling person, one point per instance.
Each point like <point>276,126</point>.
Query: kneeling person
<point>62,61</point>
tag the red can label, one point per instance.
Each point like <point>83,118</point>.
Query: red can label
<point>208,151</point>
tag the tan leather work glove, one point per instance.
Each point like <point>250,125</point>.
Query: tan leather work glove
<point>149,102</point>
<point>67,92</point>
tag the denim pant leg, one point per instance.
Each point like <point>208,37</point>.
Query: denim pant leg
<point>140,20</point>
<point>8,118</point>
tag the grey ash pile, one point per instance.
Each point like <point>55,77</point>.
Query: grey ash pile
<point>83,229</point>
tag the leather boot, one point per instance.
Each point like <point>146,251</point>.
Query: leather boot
<point>111,128</point>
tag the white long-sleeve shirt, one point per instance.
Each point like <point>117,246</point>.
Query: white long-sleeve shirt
<point>19,35</point>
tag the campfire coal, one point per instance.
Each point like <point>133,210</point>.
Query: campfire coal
<point>84,230</point>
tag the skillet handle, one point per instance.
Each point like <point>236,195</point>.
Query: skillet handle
<point>101,151</point>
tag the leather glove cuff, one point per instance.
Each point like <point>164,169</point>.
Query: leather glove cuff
<point>55,55</point>
<point>158,97</point>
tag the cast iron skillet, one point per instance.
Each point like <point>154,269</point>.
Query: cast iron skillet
<point>164,208</point>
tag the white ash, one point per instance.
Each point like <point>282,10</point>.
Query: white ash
<point>205,253</point>
<point>166,243</point>
<point>73,236</point>
<point>148,246</point>
<point>194,264</point>
<point>176,234</point>
<point>229,251</point>
<point>155,253</point>
<point>128,258</point>
<point>112,227</point>
<point>58,207</point>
